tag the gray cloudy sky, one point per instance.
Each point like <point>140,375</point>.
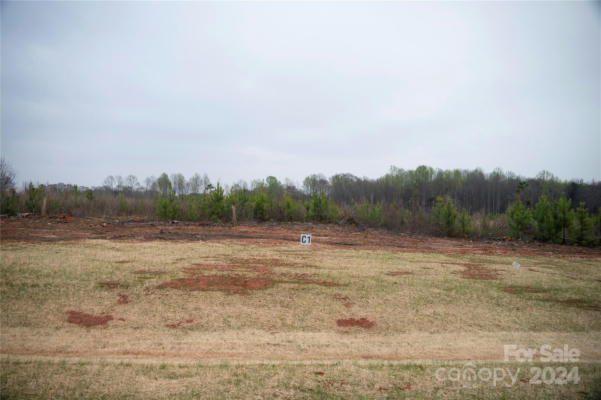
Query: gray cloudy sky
<point>246,90</point>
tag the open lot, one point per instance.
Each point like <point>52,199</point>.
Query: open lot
<point>95,308</point>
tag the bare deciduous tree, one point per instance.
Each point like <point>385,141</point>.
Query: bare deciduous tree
<point>7,177</point>
<point>109,182</point>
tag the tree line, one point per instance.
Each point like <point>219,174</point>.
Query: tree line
<point>425,200</point>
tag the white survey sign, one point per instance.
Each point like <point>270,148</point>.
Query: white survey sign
<point>305,239</point>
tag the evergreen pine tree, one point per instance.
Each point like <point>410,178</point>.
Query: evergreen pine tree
<point>564,217</point>
<point>520,219</point>
<point>584,226</point>
<point>543,215</point>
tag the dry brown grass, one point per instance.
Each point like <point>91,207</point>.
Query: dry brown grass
<point>429,311</point>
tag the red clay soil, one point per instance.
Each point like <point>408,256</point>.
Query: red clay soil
<point>476,271</point>
<point>80,318</point>
<point>230,283</point>
<point>179,323</point>
<point>348,304</point>
<point>123,299</point>
<point>361,322</point>
<point>59,228</point>
<point>246,274</point>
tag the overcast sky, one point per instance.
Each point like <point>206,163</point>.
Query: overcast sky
<point>247,90</point>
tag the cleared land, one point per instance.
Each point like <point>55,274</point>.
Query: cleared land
<point>94,308</point>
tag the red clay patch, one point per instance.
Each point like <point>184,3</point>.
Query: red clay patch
<point>179,323</point>
<point>230,283</point>
<point>80,318</point>
<point>348,304</point>
<point>361,322</point>
<point>320,373</point>
<point>476,271</point>
<point>123,299</point>
<point>249,274</point>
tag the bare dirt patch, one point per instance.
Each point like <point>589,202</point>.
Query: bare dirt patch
<point>80,318</point>
<point>37,229</point>
<point>227,283</point>
<point>240,275</point>
<point>476,271</point>
<point>361,323</point>
<point>123,299</point>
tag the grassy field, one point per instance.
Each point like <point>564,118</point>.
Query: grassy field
<point>114,319</point>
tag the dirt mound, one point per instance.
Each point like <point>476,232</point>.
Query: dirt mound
<point>80,318</point>
<point>476,271</point>
<point>361,322</point>
<point>123,299</point>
